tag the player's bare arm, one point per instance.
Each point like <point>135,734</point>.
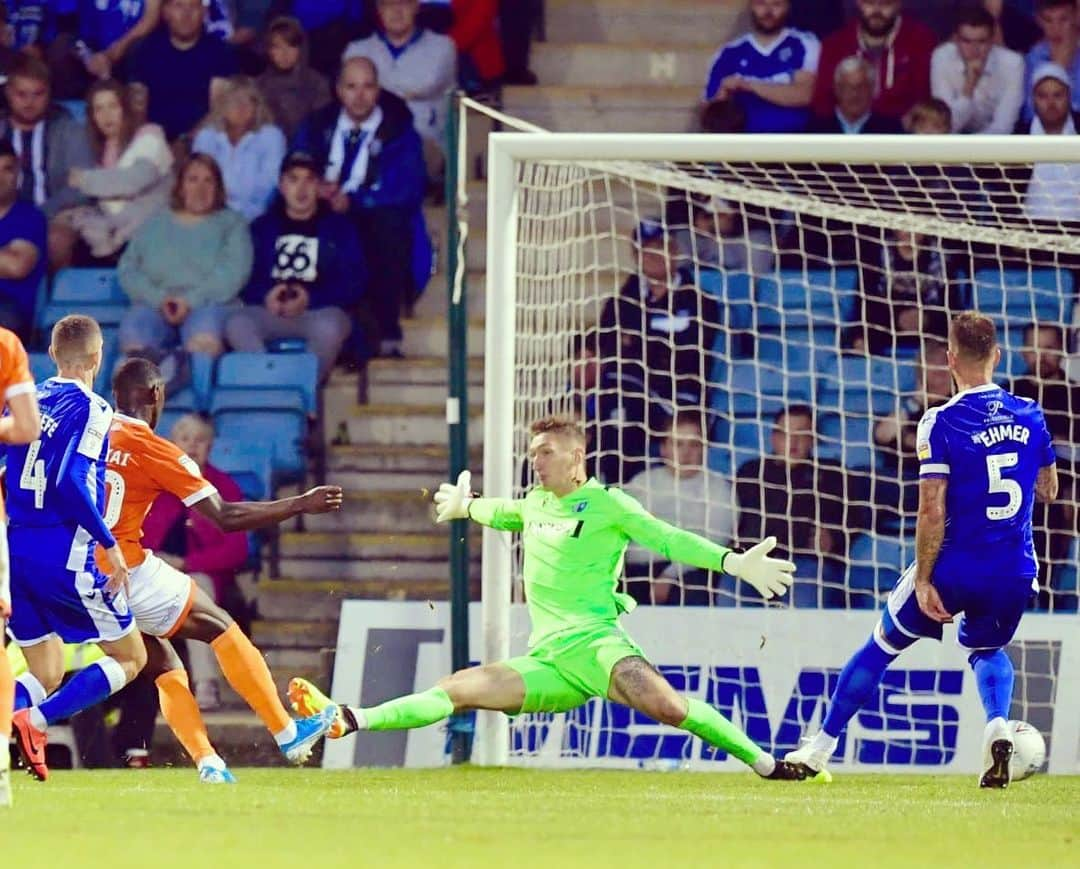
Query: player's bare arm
<point>1046,484</point>
<point>929,534</point>
<point>23,424</point>
<point>249,515</point>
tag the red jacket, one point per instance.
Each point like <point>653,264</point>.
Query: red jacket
<point>475,34</point>
<point>210,550</point>
<point>903,68</point>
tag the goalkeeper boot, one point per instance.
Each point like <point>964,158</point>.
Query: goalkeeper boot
<point>308,732</point>
<point>999,765</point>
<point>812,760</point>
<point>307,700</point>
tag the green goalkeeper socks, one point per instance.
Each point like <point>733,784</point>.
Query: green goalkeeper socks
<point>412,710</point>
<point>704,721</point>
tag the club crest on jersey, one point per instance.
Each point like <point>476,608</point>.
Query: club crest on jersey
<point>580,506</point>
<point>993,411</point>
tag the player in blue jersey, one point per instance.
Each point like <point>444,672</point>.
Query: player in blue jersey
<point>769,72</point>
<point>55,500</point>
<point>985,456</point>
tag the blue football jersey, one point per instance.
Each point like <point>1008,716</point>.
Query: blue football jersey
<point>990,444</point>
<point>73,419</point>
<point>792,52</point>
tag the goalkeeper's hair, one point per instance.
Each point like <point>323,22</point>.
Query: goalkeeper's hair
<point>566,426</point>
<point>973,337</point>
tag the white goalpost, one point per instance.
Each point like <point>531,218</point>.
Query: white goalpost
<point>752,321</point>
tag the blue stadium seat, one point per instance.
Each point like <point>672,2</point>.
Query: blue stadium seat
<point>110,355</point>
<point>799,299</point>
<point>1019,296</point>
<point>856,384</point>
<point>247,462</point>
<point>277,417</point>
<point>93,286</point>
<point>734,291</point>
<point>876,563</point>
<point>846,439</point>
<point>760,390</point>
<point>41,366</point>
<point>275,371</point>
<point>106,314</point>
<point>196,396</point>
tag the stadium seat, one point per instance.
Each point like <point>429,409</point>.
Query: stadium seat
<point>846,439</point>
<point>278,416</point>
<point>876,563</point>
<point>799,299</point>
<point>245,461</point>
<point>760,390</point>
<point>274,371</point>
<point>92,286</point>
<point>1019,296</point>
<point>855,384</point>
<point>196,396</point>
<point>734,291</point>
<point>108,314</point>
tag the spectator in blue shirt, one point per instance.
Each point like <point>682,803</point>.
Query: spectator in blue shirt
<point>102,34</point>
<point>30,23</point>
<point>1060,25</point>
<point>23,233</point>
<point>769,71</point>
<point>374,173</point>
<point>241,136</point>
<point>308,271</point>
<point>179,64</point>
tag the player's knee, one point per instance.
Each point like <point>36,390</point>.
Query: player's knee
<point>50,676</point>
<point>670,710</point>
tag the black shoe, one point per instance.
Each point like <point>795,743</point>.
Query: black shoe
<point>999,775</point>
<point>521,78</point>
<point>786,771</point>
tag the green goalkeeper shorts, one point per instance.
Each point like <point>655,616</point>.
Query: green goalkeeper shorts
<point>563,672</point>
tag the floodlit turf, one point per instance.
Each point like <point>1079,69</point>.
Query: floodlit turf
<point>159,819</point>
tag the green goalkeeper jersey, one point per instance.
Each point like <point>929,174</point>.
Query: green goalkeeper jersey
<point>574,551</point>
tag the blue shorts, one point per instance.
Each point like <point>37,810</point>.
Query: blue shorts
<point>49,600</point>
<point>991,606</point>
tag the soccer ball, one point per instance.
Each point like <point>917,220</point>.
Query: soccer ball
<point>1029,750</point>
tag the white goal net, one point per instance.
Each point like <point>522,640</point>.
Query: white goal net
<point>750,329</point>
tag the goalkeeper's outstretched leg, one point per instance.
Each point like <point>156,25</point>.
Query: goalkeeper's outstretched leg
<point>504,688</point>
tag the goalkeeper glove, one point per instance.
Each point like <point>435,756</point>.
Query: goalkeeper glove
<point>770,576</point>
<point>452,500</point>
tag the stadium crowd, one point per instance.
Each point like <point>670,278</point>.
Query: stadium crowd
<point>830,473</point>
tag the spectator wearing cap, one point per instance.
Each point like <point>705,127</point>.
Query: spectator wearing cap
<point>22,248</point>
<point>291,87</point>
<point>308,271</point>
<point>853,112</point>
<point>1060,25</point>
<point>769,71</point>
<point>179,64</point>
<point>416,64</point>
<point>897,47</point>
<point>654,337</point>
<point>982,83</point>
<point>240,134</point>
<point>374,173</point>
<point>1053,192</point>
<point>49,144</point>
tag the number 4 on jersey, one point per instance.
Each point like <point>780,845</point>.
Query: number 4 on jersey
<point>33,474</point>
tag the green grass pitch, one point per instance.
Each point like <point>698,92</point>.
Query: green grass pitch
<point>160,819</point>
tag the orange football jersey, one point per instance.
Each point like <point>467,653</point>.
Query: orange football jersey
<point>15,376</point>
<point>142,465</point>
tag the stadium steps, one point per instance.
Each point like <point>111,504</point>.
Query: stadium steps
<point>586,108</point>
<point>690,22</point>
<point>320,600</point>
<point>427,336</point>
<point>379,511</point>
<point>419,425</point>
<point>237,734</point>
<point>293,634</point>
<point>401,568</point>
<point>415,546</point>
<point>622,64</point>
<point>370,467</point>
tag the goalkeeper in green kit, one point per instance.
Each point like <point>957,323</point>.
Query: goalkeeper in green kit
<point>575,531</point>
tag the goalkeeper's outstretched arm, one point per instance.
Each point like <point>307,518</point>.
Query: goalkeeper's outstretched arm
<point>770,576</point>
<point>456,501</point>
